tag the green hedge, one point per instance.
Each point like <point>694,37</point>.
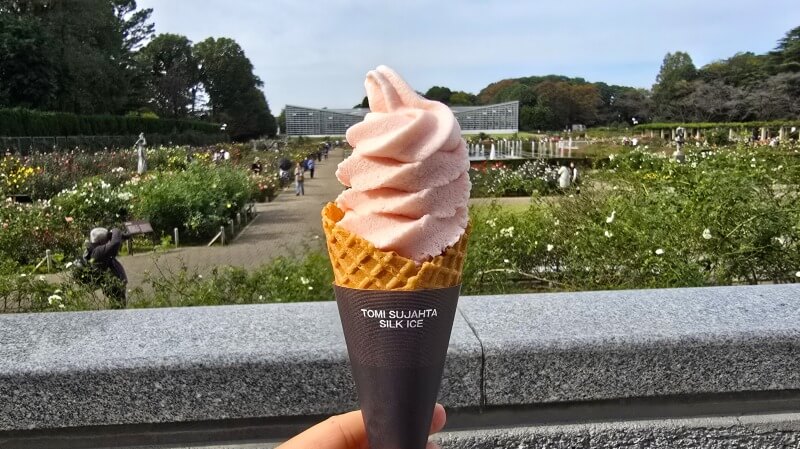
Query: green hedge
<point>762,124</point>
<point>27,145</point>
<point>24,122</point>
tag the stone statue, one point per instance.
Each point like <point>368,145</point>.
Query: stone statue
<point>140,144</point>
<point>679,140</point>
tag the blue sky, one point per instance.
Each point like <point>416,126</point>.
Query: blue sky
<point>316,53</point>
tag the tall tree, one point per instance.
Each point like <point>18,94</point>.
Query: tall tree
<point>172,73</point>
<point>136,28</point>
<point>786,56</point>
<point>134,24</point>
<point>234,91</point>
<point>86,47</point>
<point>632,104</point>
<point>740,70</point>
<point>439,93</point>
<point>27,74</point>
<point>713,101</point>
<point>461,98</point>
<point>566,104</point>
<point>673,84</point>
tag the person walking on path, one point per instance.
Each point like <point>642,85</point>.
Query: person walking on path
<point>298,179</point>
<point>102,252</point>
<point>310,164</point>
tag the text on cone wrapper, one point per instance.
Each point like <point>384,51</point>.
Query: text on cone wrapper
<point>400,319</point>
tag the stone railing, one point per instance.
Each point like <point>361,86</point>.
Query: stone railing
<point>711,367</point>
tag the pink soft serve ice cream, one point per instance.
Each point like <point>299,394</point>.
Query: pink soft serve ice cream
<point>409,186</point>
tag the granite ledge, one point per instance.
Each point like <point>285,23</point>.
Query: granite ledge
<point>637,343</point>
<point>191,364</point>
<point>207,363</point>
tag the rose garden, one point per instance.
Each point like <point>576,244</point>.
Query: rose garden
<point>727,215</point>
<point>217,231</point>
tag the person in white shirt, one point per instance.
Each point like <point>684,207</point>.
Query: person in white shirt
<point>575,177</point>
<point>564,176</point>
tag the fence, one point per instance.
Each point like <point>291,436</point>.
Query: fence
<point>27,145</point>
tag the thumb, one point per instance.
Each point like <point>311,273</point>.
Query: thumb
<point>347,432</point>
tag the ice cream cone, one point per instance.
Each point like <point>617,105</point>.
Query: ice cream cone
<point>397,343</point>
<point>397,317</point>
<point>358,264</point>
<point>409,191</point>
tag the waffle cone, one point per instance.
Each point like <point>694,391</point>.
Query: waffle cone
<point>358,264</point>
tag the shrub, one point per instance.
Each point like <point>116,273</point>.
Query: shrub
<point>497,180</point>
<point>197,201</point>
<point>721,218</point>
<point>27,293</point>
<point>265,186</point>
<point>28,230</point>
<point>285,279</point>
<point>95,202</point>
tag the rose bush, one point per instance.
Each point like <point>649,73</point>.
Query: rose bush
<point>197,200</point>
<point>95,202</point>
<point>724,217</point>
<point>499,180</point>
<point>28,230</point>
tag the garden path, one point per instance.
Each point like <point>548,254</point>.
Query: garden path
<point>288,225</point>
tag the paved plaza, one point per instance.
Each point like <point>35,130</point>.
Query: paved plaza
<point>289,225</point>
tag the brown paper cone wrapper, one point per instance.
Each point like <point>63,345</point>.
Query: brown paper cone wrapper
<point>397,342</point>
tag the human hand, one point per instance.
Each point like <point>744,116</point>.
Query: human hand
<point>347,432</point>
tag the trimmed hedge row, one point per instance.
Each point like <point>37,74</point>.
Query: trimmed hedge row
<point>24,122</point>
<point>46,144</point>
<point>762,124</point>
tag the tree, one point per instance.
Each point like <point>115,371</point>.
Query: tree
<point>676,67</point>
<point>282,120</point>
<point>461,98</point>
<point>633,103</point>
<point>134,25</point>
<point>135,28</point>
<point>673,84</point>
<point>786,56</point>
<point>234,91</point>
<point>713,102</point>
<point>740,70</point>
<point>439,93</point>
<point>777,97</point>
<point>172,75</point>
<point>27,75</point>
<point>536,118</point>
<point>566,104</point>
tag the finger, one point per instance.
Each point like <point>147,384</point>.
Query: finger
<point>347,432</point>
<point>439,418</point>
<point>337,432</point>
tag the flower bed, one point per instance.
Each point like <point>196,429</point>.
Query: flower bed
<point>183,188</point>
<point>197,200</point>
<point>27,231</point>
<point>499,180</point>
<point>724,217</point>
<point>308,278</point>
